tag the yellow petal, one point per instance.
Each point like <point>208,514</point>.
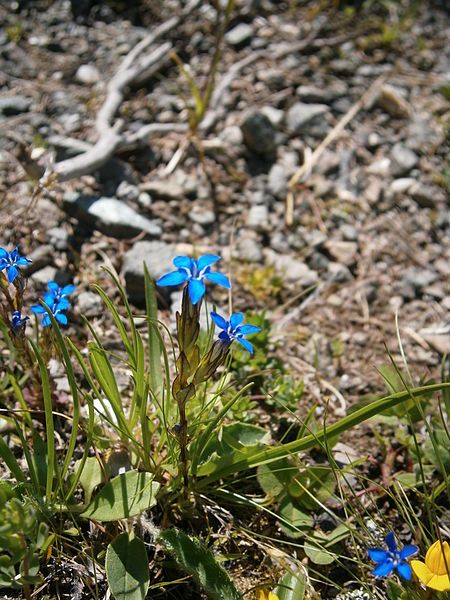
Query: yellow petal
<point>441,583</point>
<point>421,571</point>
<point>262,595</point>
<point>435,559</point>
<point>273,596</point>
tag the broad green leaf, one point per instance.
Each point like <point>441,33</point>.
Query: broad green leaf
<point>312,485</point>
<point>293,521</point>
<point>275,478</point>
<point>127,495</point>
<point>127,568</point>
<point>319,555</point>
<point>291,586</point>
<point>92,475</point>
<point>195,559</point>
<point>235,442</point>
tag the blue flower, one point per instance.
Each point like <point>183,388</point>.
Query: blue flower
<point>194,271</point>
<point>37,309</point>
<point>234,329</point>
<point>58,295</point>
<point>18,322</point>
<point>10,261</point>
<point>391,559</point>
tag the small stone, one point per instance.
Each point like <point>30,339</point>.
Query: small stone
<point>258,217</point>
<point>339,272</point>
<point>41,257</point>
<point>311,93</point>
<point>127,191</point>
<point>87,74</point>
<point>157,256</point>
<point>292,269</point>
<point>89,304</point>
<point>275,115</point>
<point>277,182</point>
<point>343,252</point>
<point>249,249</point>
<point>232,135</point>
<point>14,105</point>
<point>109,215</point>
<point>144,199</point>
<point>166,189</point>
<point>424,195</point>
<point>301,115</point>
<point>391,101</point>
<point>240,35</point>
<point>403,160</point>
<point>381,167</point>
<point>43,276</point>
<point>437,337</point>
<point>259,133</point>
<point>202,216</point>
<point>58,238</point>
<point>401,185</point>
<point>349,233</point>
<point>419,278</point>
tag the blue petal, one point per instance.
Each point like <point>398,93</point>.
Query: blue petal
<point>246,344</point>
<point>383,569</point>
<point>390,541</point>
<point>173,278</point>
<point>404,570</point>
<point>37,309</point>
<point>49,298</point>
<point>236,319</point>
<point>207,260</point>
<point>223,335</point>
<point>408,551</point>
<point>12,273</point>
<point>378,554</point>
<point>3,263</point>
<point>219,279</point>
<point>248,329</point>
<point>196,289</point>
<point>61,317</point>
<point>46,321</point>
<point>14,255</point>
<point>52,285</point>
<point>3,253</point>
<point>182,262</point>
<point>219,321</point>
<point>68,289</point>
<point>63,304</point>
<point>23,261</point>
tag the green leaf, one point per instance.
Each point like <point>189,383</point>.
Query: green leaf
<point>293,521</point>
<point>291,586</point>
<point>92,475</point>
<point>275,478</point>
<point>319,555</point>
<point>127,495</point>
<point>196,560</point>
<point>127,569</point>
<point>312,485</point>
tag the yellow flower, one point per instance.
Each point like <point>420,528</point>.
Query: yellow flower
<point>267,595</point>
<point>434,572</point>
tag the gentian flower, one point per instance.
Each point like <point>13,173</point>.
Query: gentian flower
<point>58,295</point>
<point>194,272</point>
<point>234,329</point>
<point>37,309</point>
<point>391,559</point>
<point>10,261</point>
<point>435,571</point>
<point>18,322</point>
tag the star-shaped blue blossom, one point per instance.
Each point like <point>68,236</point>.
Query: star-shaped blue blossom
<point>235,329</point>
<point>194,272</point>
<point>10,261</point>
<point>18,322</point>
<point>56,298</point>
<point>392,559</point>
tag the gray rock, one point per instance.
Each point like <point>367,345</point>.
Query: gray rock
<point>167,189</point>
<point>424,195</point>
<point>292,269</point>
<point>339,272</point>
<point>239,35</point>
<point>41,257</point>
<point>14,105</point>
<point>89,304</point>
<point>202,216</point>
<point>418,278</point>
<point>403,160</point>
<point>157,256</point>
<point>58,238</point>
<point>401,185</point>
<point>258,217</point>
<point>325,94</point>
<point>127,191</point>
<point>275,115</point>
<point>109,215</point>
<point>259,133</point>
<point>43,276</point>
<point>349,233</point>
<point>87,74</point>
<point>343,252</point>
<point>249,249</point>
<point>392,101</point>
<point>232,135</point>
<point>277,181</point>
<point>301,115</point>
